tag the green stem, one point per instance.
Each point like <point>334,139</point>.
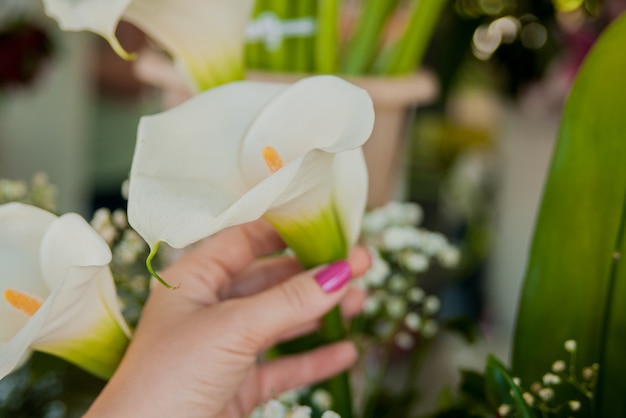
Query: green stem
<point>608,308</point>
<point>303,45</point>
<point>332,330</point>
<point>255,50</point>
<point>327,37</point>
<point>409,51</point>
<point>279,58</point>
<point>362,48</point>
<point>153,253</point>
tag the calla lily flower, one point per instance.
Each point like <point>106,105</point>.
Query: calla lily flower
<point>288,153</point>
<point>58,291</point>
<point>206,37</point>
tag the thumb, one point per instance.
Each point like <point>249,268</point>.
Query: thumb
<point>301,299</point>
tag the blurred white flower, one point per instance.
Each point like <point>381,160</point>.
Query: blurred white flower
<point>59,292</point>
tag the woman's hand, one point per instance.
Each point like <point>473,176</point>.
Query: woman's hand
<point>194,353</point>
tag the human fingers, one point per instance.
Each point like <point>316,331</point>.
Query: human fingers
<point>351,305</point>
<point>262,274</point>
<point>291,372</point>
<point>297,301</point>
<point>208,267</point>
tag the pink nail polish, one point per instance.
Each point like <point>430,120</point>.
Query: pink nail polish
<point>334,276</point>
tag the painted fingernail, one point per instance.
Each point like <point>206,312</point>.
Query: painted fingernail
<point>334,276</point>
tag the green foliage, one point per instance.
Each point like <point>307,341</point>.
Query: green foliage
<point>575,284</point>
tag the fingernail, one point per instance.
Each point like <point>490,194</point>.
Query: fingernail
<point>334,276</point>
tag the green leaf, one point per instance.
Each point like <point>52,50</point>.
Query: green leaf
<point>575,284</point>
<point>502,390</point>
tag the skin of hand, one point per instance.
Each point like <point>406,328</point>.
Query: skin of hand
<point>195,351</point>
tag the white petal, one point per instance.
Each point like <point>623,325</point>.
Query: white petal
<point>187,181</point>
<point>21,229</point>
<point>82,301</point>
<point>205,36</point>
<point>323,112</point>
<point>186,164</point>
<point>350,179</point>
<point>98,16</point>
<point>72,251</point>
<point>71,242</point>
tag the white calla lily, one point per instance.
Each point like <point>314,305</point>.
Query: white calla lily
<point>207,165</point>
<point>206,37</point>
<point>59,295</point>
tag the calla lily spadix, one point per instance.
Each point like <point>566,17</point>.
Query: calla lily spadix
<point>288,153</point>
<point>58,292</point>
<point>206,37</point>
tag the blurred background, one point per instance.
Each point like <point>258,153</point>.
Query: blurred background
<point>473,152</point>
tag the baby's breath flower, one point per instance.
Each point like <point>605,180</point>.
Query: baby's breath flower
<point>413,321</point>
<point>129,248</point>
<point>535,387</point>
<point>503,410</point>
<point>432,242</point>
<point>414,261</point>
<point>371,306</point>
<point>301,412</point>
<point>398,283</point>
<point>400,237</point>
<point>430,328</point>
<point>101,218</point>
<point>431,305</point>
<point>321,399</point>
<point>449,256</point>
<point>558,366</point>
<point>528,398</point>
<point>551,379</point>
<point>12,190</point>
<point>378,272</point>
<point>374,222</point>
<point>124,189</point>
<point>574,405</point>
<point>396,307</point>
<point>570,346</point>
<point>587,373</point>
<point>274,409</point>
<point>546,394</point>
<point>120,219</point>
<point>404,340</point>
<point>416,294</point>
<point>517,381</point>
<point>330,414</point>
<point>403,213</point>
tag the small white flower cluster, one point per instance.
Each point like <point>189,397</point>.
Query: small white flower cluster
<point>287,405</point>
<point>39,193</point>
<point>400,251</point>
<point>126,244</point>
<point>541,394</point>
<point>129,252</point>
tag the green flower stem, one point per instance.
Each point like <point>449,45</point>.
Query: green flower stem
<point>327,37</point>
<point>332,330</point>
<point>278,60</point>
<point>255,50</point>
<point>362,49</point>
<point>318,240</point>
<point>153,253</point>
<point>409,51</point>
<point>302,57</point>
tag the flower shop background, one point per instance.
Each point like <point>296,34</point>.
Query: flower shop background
<point>476,154</point>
